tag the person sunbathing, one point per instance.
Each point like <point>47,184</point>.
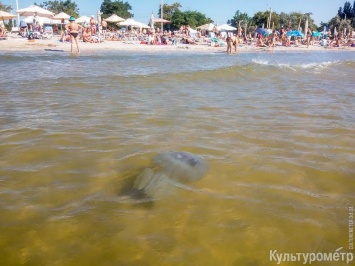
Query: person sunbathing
<point>65,37</point>
<point>87,37</point>
<point>3,31</point>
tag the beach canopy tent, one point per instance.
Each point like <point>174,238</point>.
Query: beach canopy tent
<point>226,27</point>
<point>83,19</point>
<point>114,18</point>
<point>208,27</point>
<point>29,11</point>
<point>61,16</point>
<point>6,16</point>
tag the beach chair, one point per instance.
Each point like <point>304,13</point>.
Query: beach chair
<point>15,31</point>
<point>215,42</point>
<point>48,33</point>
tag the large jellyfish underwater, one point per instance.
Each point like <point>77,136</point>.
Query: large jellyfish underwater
<point>168,170</point>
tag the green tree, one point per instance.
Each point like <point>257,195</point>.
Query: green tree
<point>6,8</point>
<point>179,18</point>
<point>238,16</point>
<point>347,11</point>
<point>261,18</point>
<point>119,8</point>
<point>66,6</point>
<point>345,18</point>
<point>169,10</point>
<point>195,19</point>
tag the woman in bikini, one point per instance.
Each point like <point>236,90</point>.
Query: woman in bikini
<point>73,29</point>
<point>229,43</point>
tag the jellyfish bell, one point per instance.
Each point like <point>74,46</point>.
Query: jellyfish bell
<point>167,171</point>
<point>181,166</point>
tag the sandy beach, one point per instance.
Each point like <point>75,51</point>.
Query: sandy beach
<point>22,44</point>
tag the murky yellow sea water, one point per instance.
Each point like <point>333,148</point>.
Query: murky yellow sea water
<point>277,131</point>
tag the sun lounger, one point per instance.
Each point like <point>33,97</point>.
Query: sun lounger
<point>15,30</point>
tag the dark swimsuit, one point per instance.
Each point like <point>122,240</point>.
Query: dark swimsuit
<point>74,34</point>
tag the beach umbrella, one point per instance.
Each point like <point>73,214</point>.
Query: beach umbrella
<point>263,31</point>
<point>144,26</point>
<point>6,16</point>
<point>294,33</point>
<point>161,20</point>
<point>316,34</point>
<point>335,31</point>
<point>208,27</point>
<point>82,19</point>
<point>41,20</point>
<point>151,20</point>
<point>130,22</point>
<point>99,13</point>
<point>226,27</point>
<point>41,12</point>
<point>114,18</point>
<point>61,16</point>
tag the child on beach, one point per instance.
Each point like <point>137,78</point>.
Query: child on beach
<point>73,29</point>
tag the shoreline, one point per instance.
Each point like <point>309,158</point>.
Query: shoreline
<point>22,44</point>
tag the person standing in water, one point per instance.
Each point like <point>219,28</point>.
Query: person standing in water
<point>229,41</point>
<point>74,29</point>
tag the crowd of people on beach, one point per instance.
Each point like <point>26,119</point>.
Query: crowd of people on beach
<point>94,32</point>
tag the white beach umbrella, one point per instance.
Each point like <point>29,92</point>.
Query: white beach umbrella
<point>144,26</point>
<point>99,13</point>
<point>41,12</point>
<point>130,22</point>
<point>114,18</point>
<point>83,19</point>
<point>41,20</point>
<point>6,16</point>
<point>61,16</point>
<point>151,20</point>
<point>226,27</point>
<point>209,27</point>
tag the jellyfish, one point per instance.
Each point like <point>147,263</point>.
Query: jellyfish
<point>167,171</point>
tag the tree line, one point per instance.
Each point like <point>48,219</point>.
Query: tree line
<point>345,18</point>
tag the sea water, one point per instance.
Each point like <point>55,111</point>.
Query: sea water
<point>277,130</point>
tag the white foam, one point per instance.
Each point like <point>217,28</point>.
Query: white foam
<point>260,61</point>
